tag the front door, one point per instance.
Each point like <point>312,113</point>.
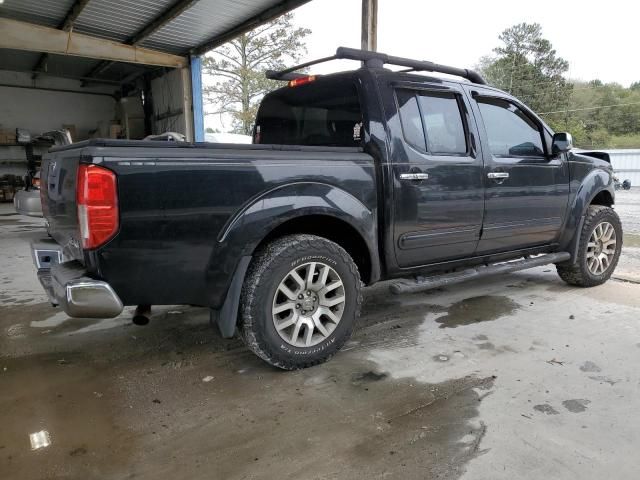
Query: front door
<point>527,189</point>
<point>438,189</point>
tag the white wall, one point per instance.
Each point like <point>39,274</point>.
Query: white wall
<point>626,164</point>
<point>39,110</point>
<point>170,93</point>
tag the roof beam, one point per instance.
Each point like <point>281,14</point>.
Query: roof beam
<point>36,38</point>
<point>160,21</point>
<point>253,22</point>
<point>73,14</point>
<point>66,25</point>
<point>152,27</point>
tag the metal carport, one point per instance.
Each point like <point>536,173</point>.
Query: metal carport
<point>116,46</point>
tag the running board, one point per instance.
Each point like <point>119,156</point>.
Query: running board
<point>421,284</point>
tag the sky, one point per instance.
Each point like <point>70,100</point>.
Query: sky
<point>598,38</point>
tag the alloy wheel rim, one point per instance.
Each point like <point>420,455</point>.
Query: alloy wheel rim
<point>601,248</point>
<point>308,304</point>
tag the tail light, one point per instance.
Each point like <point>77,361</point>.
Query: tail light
<point>97,200</point>
<point>35,182</point>
<point>296,82</point>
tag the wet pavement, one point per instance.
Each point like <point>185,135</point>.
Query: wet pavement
<point>518,376</point>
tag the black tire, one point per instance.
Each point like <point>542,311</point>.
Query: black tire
<point>578,274</point>
<point>269,267</point>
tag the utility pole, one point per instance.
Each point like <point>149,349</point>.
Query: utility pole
<point>369,25</point>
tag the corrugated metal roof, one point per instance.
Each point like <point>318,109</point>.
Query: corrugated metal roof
<point>203,21</point>
<point>43,12</point>
<point>120,20</point>
<point>199,22</point>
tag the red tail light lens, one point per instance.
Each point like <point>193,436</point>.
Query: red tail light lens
<point>296,82</point>
<point>97,200</point>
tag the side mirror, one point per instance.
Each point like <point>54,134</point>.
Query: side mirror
<point>562,143</point>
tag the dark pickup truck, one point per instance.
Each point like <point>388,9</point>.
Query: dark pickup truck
<point>353,178</point>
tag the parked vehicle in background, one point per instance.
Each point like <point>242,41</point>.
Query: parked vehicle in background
<point>27,201</point>
<point>624,185</point>
<point>354,177</point>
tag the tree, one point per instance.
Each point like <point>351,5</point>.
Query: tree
<point>237,69</point>
<point>527,66</point>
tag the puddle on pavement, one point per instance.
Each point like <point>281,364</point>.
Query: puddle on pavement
<point>70,399</point>
<point>132,401</point>
<point>472,310</point>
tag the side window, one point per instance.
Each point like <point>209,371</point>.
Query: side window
<point>510,131</point>
<point>410,118</point>
<point>432,122</point>
<point>443,123</point>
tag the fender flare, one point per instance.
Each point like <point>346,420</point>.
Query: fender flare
<point>272,208</point>
<point>262,214</point>
<point>597,181</point>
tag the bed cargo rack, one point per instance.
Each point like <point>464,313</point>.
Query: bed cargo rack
<point>377,60</point>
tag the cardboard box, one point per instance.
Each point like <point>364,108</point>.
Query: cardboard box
<point>115,131</point>
<point>7,136</point>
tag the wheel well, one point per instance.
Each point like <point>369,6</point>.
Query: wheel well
<point>602,198</point>
<point>333,229</point>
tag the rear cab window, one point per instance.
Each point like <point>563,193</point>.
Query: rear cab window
<point>325,112</point>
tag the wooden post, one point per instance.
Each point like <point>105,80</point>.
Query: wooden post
<point>369,25</point>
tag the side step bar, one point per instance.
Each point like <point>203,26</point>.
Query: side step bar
<point>421,284</point>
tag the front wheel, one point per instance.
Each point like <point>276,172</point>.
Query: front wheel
<point>598,250</point>
<point>299,302</point>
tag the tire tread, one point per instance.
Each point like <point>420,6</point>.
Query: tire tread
<point>286,248</point>
<point>574,274</point>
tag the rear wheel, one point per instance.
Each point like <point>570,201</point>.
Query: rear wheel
<point>299,301</point>
<point>598,251</point>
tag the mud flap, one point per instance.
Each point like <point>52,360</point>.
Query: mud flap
<point>227,316</point>
<point>575,243</point>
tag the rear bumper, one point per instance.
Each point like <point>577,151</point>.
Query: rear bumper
<point>67,284</point>
<point>28,203</point>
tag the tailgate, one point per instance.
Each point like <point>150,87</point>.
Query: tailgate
<point>58,193</point>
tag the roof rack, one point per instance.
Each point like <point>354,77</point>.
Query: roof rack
<point>377,60</point>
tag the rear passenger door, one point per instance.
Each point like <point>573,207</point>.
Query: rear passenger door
<point>437,175</point>
<point>526,188</point>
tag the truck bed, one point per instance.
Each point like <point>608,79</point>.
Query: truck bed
<point>179,201</point>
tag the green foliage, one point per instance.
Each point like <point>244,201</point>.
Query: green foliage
<point>527,66</point>
<point>238,69</point>
<point>598,115</point>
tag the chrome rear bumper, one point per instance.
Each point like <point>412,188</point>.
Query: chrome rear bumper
<point>67,284</point>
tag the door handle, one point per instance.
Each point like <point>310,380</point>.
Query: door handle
<point>414,176</point>
<point>498,175</point>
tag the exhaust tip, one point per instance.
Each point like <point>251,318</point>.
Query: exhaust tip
<point>142,315</point>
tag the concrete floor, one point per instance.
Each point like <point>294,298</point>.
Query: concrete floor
<point>519,376</point>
